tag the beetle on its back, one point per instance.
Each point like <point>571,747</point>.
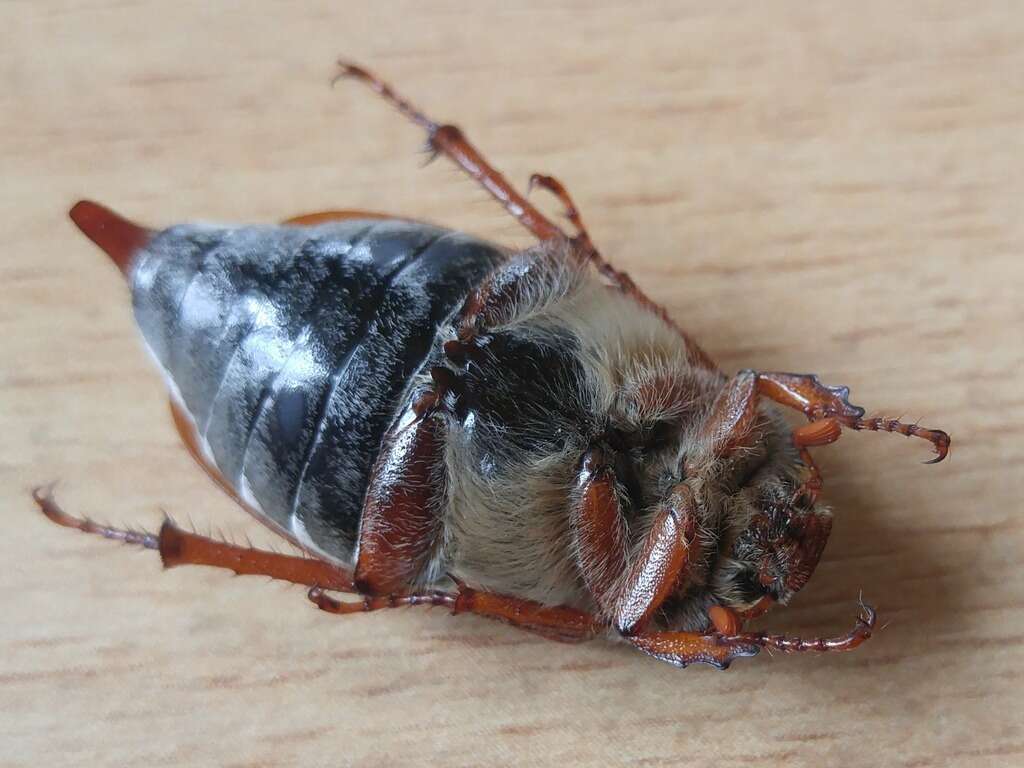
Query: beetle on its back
<point>421,411</point>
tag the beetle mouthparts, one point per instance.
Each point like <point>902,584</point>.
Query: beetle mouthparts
<point>117,236</point>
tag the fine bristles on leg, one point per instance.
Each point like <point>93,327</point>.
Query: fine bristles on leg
<point>861,631</point>
<point>43,497</point>
<point>178,547</point>
<point>939,439</point>
<point>347,69</point>
<point>448,140</point>
<point>828,408</point>
<point>559,622</point>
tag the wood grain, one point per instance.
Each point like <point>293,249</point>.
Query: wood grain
<point>831,187</point>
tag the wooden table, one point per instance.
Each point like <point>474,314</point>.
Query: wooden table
<point>813,187</point>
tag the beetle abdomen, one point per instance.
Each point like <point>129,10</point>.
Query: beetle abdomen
<point>294,347</point>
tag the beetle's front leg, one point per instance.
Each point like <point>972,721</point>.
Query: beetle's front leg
<point>734,414</point>
<point>684,648</point>
<point>629,594</point>
<point>828,408</point>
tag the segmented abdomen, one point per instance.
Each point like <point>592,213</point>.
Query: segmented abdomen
<point>293,348</point>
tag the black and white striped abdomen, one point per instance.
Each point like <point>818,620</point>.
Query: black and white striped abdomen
<point>293,348</point>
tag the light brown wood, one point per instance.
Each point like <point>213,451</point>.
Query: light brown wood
<point>831,187</point>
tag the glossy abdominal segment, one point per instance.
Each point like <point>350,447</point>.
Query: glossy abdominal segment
<point>293,348</point>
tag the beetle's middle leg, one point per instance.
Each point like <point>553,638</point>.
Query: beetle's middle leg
<point>628,594</point>
<point>179,547</point>
<point>558,622</point>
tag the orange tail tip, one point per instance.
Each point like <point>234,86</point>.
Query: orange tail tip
<point>117,236</point>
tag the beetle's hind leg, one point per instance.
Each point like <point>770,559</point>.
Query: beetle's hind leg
<point>449,140</point>
<point>43,497</point>
<point>179,547</point>
<point>582,238</point>
<point>571,212</point>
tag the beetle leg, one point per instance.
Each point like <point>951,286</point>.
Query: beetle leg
<point>827,408</point>
<point>553,622</point>
<point>684,648</point>
<point>661,565</point>
<point>400,521</point>
<point>589,251</point>
<point>618,278</point>
<point>806,393</point>
<point>629,594</point>
<point>598,531</point>
<point>862,630</point>
<point>449,140</point>
<point>572,213</point>
<point>178,547</point>
<point>582,238</point>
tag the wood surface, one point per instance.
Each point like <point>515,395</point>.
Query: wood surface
<point>831,187</point>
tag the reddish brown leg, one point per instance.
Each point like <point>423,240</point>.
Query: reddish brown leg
<point>553,622</point>
<point>681,649</point>
<point>817,433</point>
<point>450,141</point>
<point>178,547</point>
<point>632,602</point>
<point>400,520</point>
<point>620,279</point>
<point>827,408</point>
<point>862,630</point>
<point>629,594</point>
<point>684,648</point>
<point>572,213</point>
<point>598,531</point>
<point>806,393</point>
<point>661,564</point>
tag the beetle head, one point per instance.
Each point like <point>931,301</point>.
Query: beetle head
<point>775,555</point>
<point>771,532</point>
